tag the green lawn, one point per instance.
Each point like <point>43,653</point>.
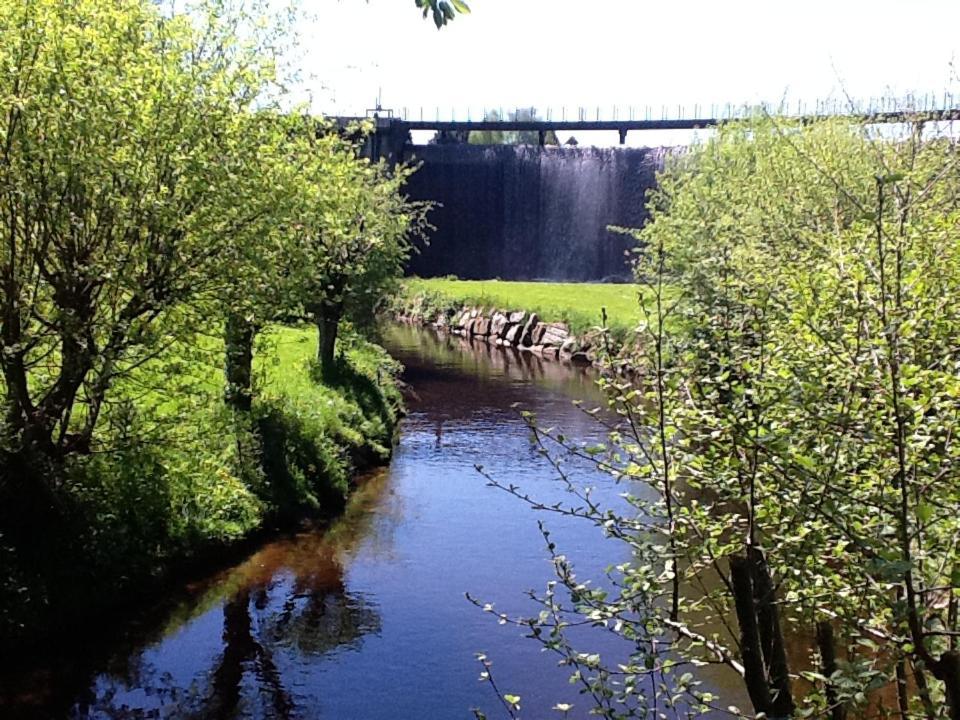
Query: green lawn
<point>577,304</point>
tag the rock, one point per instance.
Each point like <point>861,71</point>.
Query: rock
<point>526,338</point>
<point>498,324</point>
<point>580,358</point>
<point>536,337</point>
<point>517,329</point>
<point>590,339</point>
<point>481,327</point>
<point>554,334</point>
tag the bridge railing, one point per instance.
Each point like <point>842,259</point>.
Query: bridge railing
<point>918,103</point>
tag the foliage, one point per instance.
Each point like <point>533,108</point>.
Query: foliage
<point>443,11</point>
<point>128,163</point>
<point>353,235</point>
<point>330,241</point>
<point>151,187</point>
<point>789,447</point>
<point>513,137</point>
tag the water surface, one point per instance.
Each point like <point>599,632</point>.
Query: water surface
<point>367,618</point>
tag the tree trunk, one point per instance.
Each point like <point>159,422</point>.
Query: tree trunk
<point>238,338</point>
<point>328,324</point>
<point>766,674</point>
<point>755,677</point>
<point>948,672</point>
<point>828,666</point>
<point>771,636</point>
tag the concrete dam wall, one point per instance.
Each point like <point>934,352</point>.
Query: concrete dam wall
<point>522,212</point>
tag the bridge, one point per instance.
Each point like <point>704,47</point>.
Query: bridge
<point>393,126</point>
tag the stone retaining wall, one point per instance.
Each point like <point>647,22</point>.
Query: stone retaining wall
<point>517,329</point>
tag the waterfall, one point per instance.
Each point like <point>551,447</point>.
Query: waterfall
<point>524,212</point>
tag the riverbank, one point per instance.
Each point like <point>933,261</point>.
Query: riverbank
<point>577,305</point>
<point>177,482</point>
<point>550,320</point>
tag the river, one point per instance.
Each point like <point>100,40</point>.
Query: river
<point>367,619</point>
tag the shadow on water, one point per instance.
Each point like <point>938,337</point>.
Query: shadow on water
<point>287,597</point>
<point>366,618</point>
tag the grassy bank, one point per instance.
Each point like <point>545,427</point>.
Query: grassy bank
<point>576,304</point>
<point>176,479</point>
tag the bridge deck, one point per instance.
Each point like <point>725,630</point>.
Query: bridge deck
<point>629,125</point>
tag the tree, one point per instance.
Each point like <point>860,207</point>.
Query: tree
<point>263,253</point>
<point>353,236</point>
<point>125,169</point>
<point>793,425</point>
<point>332,241</point>
<point>513,137</point>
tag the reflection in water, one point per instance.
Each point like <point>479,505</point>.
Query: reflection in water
<point>287,602</point>
<point>241,650</point>
<point>367,619</point>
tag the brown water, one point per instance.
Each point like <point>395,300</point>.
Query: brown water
<point>367,619</point>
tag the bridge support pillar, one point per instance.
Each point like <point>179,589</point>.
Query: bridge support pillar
<point>542,135</point>
<point>387,141</point>
<point>623,136</point>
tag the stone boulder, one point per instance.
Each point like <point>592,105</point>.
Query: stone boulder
<point>537,333</point>
<point>517,317</point>
<point>526,337</point>
<point>581,358</point>
<point>481,327</point>
<point>498,324</point>
<point>553,334</point>
<point>513,335</point>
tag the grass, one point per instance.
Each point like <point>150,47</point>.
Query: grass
<point>577,304</point>
<point>176,476</point>
<point>317,432</point>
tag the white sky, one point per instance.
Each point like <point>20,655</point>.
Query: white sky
<point>590,53</point>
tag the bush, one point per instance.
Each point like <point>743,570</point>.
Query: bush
<point>793,436</point>
<point>178,476</point>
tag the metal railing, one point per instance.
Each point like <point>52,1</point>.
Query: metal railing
<point>719,112</point>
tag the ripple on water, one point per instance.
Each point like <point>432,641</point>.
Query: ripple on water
<point>367,618</point>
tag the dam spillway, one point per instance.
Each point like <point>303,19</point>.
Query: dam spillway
<point>525,212</point>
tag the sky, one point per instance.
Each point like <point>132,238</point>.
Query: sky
<point>604,53</point>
